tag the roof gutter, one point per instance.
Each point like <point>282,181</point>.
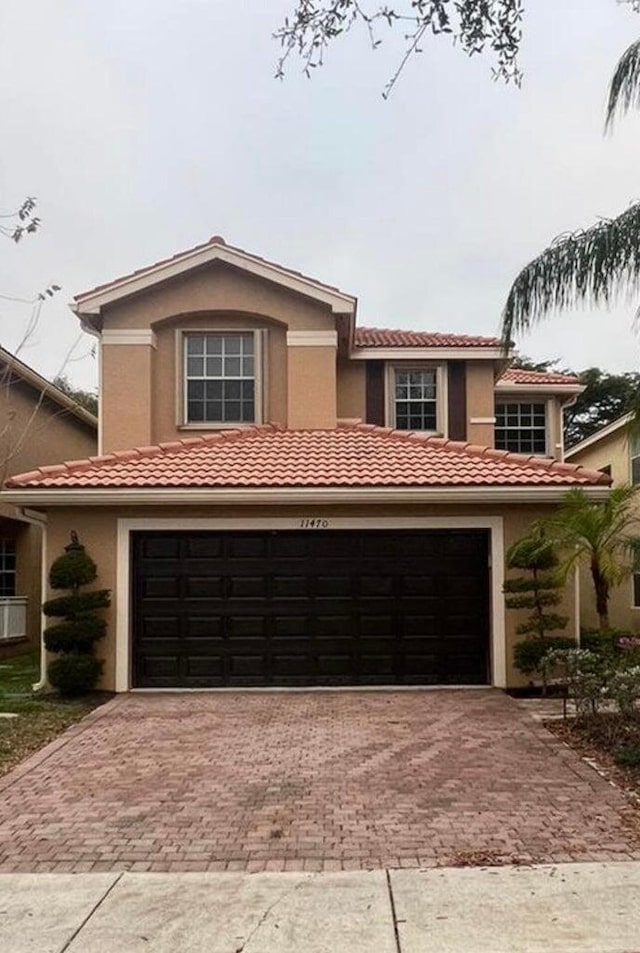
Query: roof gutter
<point>283,496</point>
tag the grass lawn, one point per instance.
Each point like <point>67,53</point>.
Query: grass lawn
<point>39,718</point>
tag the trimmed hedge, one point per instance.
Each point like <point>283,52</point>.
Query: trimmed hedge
<point>74,673</point>
<point>528,653</point>
<point>77,605</point>
<point>74,634</point>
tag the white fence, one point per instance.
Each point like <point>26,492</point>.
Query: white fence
<point>13,617</point>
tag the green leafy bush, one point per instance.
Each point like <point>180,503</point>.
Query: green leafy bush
<point>528,653</point>
<point>602,643</point>
<point>74,673</point>
<point>622,686</point>
<point>582,672</point>
<point>628,757</point>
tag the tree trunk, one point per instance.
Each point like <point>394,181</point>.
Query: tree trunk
<point>601,587</point>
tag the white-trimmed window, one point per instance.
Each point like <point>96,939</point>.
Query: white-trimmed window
<point>521,426</point>
<point>635,584</point>
<point>635,460</point>
<point>7,568</point>
<point>220,378</point>
<point>416,398</point>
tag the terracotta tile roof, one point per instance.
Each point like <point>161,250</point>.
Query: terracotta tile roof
<point>515,375</point>
<point>214,240</point>
<point>269,456</point>
<point>391,337</point>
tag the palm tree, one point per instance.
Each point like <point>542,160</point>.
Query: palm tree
<point>590,267</point>
<point>603,536</point>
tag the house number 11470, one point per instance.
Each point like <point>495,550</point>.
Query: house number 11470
<point>314,522</point>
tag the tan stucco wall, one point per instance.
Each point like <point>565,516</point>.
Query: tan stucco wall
<point>312,387</point>
<point>299,383</point>
<point>219,287</point>
<point>352,390</point>
<point>34,433</point>
<point>126,411</point>
<point>98,526</point>
<point>611,451</point>
<point>480,402</point>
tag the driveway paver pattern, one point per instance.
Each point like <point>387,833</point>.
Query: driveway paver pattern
<point>308,781</point>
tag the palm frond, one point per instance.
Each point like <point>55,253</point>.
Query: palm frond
<point>591,267</point>
<point>624,90</point>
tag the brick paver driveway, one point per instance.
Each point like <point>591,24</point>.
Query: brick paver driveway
<point>312,780</point>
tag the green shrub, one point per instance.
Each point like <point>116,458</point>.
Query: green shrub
<point>582,672</point>
<point>76,669</point>
<point>75,568</point>
<point>602,643</point>
<point>78,604</point>
<point>623,688</point>
<point>528,653</point>
<point>73,673</point>
<point>75,635</point>
<point>628,757</point>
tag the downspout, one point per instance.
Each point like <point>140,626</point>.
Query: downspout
<point>39,519</point>
<point>576,592</point>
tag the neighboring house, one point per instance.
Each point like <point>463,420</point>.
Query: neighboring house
<point>616,452</point>
<point>284,498</point>
<point>39,425</point>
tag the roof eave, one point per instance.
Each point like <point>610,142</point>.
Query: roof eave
<point>174,496</point>
<point>90,304</point>
<point>47,388</point>
<point>428,352</point>
<point>599,435</point>
<point>567,390</point>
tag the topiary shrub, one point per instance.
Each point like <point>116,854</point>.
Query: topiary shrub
<point>74,673</point>
<point>537,590</point>
<point>76,670</point>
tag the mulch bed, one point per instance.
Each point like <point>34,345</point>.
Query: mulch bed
<point>609,740</point>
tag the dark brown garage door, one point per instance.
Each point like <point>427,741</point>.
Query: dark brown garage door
<point>310,608</point>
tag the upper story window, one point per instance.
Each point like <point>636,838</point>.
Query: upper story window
<point>415,399</point>
<point>521,427</point>
<point>635,459</point>
<point>220,378</point>
<point>7,567</point>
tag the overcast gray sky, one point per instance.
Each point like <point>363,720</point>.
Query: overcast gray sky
<point>146,126</point>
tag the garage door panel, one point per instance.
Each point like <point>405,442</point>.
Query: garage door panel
<point>296,608</point>
<point>199,666</point>
<point>208,546</point>
<point>293,627</point>
<point>203,587</point>
<point>202,627</point>
<point>291,587</point>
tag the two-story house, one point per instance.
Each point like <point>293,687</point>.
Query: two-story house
<point>39,425</point>
<point>615,451</point>
<point>285,498</point>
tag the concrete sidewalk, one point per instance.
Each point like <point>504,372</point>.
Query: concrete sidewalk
<point>569,908</point>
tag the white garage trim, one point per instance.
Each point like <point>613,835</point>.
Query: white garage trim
<point>494,524</point>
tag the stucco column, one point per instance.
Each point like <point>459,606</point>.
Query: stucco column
<point>312,388</point>
<point>126,359</point>
<point>481,403</point>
